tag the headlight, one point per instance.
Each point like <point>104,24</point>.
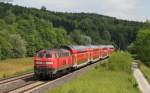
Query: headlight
<point>48,63</point>
<point>39,63</point>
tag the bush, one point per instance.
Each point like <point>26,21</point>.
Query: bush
<point>141,47</point>
<point>18,46</point>
<point>120,61</point>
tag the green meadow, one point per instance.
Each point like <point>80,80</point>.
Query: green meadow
<point>112,76</point>
<point>15,67</point>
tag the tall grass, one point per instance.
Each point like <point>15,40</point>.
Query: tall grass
<point>105,78</point>
<point>120,61</point>
<point>13,67</point>
<point>146,71</point>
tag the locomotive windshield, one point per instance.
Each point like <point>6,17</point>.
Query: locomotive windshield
<point>48,55</point>
<point>42,54</point>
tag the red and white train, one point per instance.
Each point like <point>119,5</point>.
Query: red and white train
<point>48,63</point>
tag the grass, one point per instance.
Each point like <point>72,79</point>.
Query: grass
<point>104,78</point>
<point>120,61</point>
<point>146,71</point>
<point>15,67</point>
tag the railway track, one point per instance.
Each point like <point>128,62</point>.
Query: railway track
<point>13,83</point>
<point>15,78</point>
<point>28,87</point>
<point>43,86</point>
<point>28,84</point>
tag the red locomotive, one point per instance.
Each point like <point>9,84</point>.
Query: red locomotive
<point>48,63</point>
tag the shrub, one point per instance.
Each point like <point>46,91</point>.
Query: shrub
<point>120,61</point>
<point>141,47</point>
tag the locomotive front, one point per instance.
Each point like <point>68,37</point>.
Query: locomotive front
<point>44,63</point>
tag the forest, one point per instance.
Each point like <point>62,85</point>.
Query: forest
<point>23,31</point>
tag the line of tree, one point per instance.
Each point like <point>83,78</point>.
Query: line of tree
<point>24,30</point>
<point>141,47</point>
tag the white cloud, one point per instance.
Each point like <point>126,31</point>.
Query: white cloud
<point>124,9</point>
<point>60,3</point>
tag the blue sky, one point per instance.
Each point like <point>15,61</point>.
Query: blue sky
<point>137,10</point>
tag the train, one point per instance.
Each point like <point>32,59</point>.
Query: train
<point>51,62</point>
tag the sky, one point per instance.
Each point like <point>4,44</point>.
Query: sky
<point>136,10</point>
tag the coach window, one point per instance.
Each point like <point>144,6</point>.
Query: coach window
<point>59,55</point>
<point>56,55</point>
<point>68,54</point>
<point>65,54</point>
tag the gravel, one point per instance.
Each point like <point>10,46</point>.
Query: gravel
<point>61,81</point>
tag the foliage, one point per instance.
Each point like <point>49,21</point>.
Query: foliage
<point>141,47</point>
<point>18,46</point>
<point>79,38</point>
<point>41,28</point>
<point>43,8</point>
<point>5,45</point>
<point>120,61</point>
<point>100,80</point>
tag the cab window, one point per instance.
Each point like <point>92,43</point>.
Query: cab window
<point>48,55</point>
<point>40,54</point>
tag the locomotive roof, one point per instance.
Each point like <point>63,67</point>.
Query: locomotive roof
<point>58,50</point>
<point>55,51</point>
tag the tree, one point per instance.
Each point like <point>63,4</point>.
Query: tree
<point>141,46</point>
<point>43,8</point>
<point>43,29</point>
<point>87,40</point>
<point>0,52</point>
<point>18,46</point>
<point>106,35</point>
<point>62,38</point>
<point>80,38</point>
<point>5,45</point>
<point>10,17</point>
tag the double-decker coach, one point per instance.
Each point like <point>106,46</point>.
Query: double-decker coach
<point>80,55</point>
<point>95,53</point>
